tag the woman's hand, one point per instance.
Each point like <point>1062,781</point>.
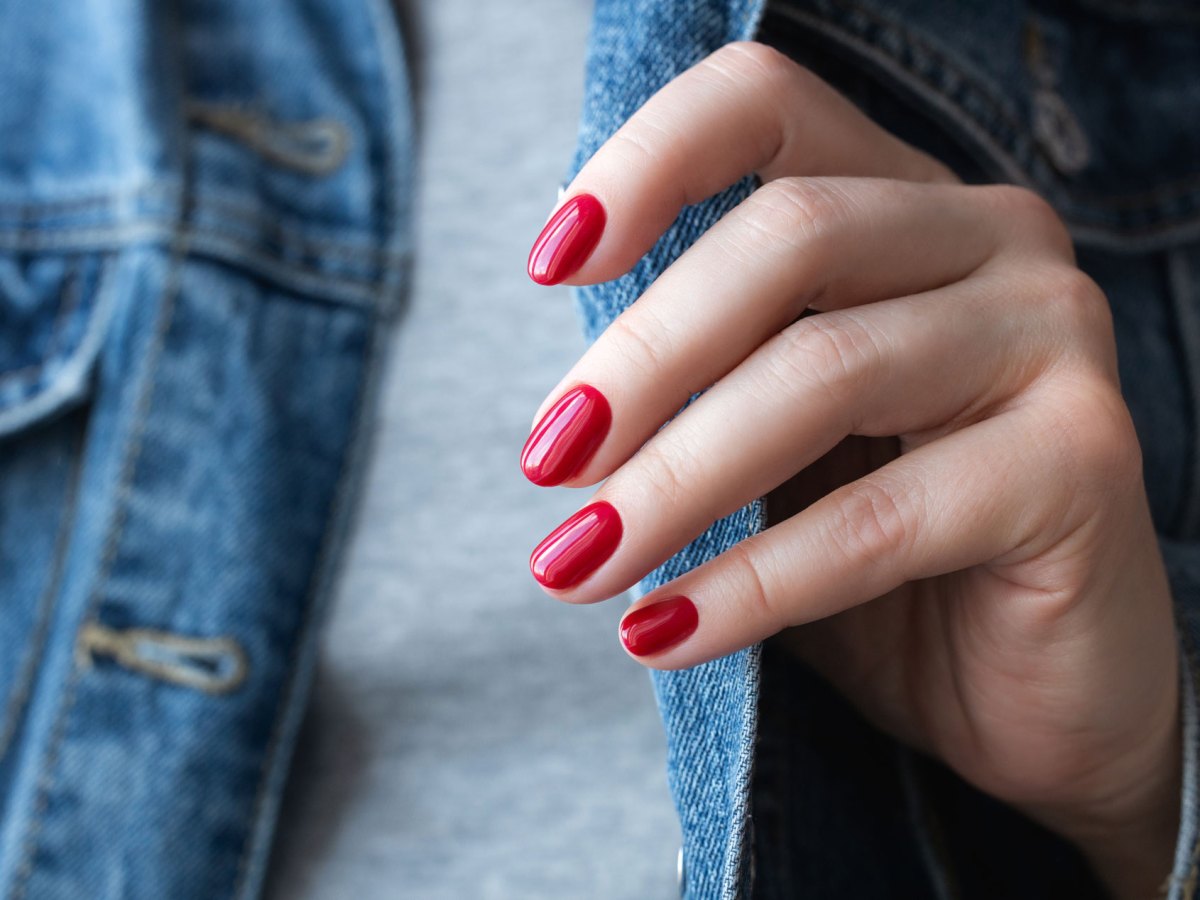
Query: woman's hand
<point>972,561</point>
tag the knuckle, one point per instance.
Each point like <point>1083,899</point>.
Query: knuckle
<point>752,61</point>
<point>1076,302</point>
<point>663,473</point>
<point>834,349</point>
<point>1097,438</point>
<point>1110,447</point>
<point>641,143</point>
<point>748,573</point>
<point>1021,201</point>
<point>640,343</point>
<point>871,523</point>
<point>795,211</point>
<point>1032,216</point>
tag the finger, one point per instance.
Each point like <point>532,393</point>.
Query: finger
<point>874,370</point>
<point>796,243</point>
<point>746,108</point>
<point>965,499</point>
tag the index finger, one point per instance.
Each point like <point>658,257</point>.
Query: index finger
<point>745,109</point>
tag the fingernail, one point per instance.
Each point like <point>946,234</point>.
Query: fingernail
<point>577,547</point>
<point>566,437</point>
<point>654,628</point>
<point>567,240</point>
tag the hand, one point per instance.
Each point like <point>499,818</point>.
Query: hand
<point>971,560</point>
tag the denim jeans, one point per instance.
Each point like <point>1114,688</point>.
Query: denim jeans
<point>782,789</point>
<point>203,226</point>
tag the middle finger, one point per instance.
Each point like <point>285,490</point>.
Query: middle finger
<point>823,243</point>
<point>926,363</point>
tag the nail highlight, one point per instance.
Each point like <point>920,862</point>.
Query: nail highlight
<point>566,437</point>
<point>567,240</point>
<point>577,547</point>
<point>659,626</point>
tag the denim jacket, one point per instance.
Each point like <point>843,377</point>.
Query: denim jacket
<point>203,224</point>
<point>782,790</point>
<point>203,228</point>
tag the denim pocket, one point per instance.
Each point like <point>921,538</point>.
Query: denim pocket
<point>54,309</point>
<point>1093,108</point>
<point>1092,104</point>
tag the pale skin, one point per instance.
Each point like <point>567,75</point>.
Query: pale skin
<point>971,558</point>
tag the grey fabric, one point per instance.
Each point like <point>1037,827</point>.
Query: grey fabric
<point>469,737</point>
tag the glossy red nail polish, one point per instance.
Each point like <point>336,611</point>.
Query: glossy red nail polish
<point>577,547</point>
<point>566,437</point>
<point>659,626</point>
<point>567,240</point>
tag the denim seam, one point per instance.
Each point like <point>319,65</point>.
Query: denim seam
<point>88,238</point>
<point>1002,107</point>
<point>1167,191</point>
<point>38,238</point>
<point>314,284</point>
<point>269,259</point>
<point>214,245</point>
<point>915,81</point>
<point>294,695</point>
<point>738,865</point>
<point>68,300</point>
<point>28,670</point>
<point>277,758</point>
<point>89,199</point>
<point>123,494</point>
<point>45,605</point>
<point>739,870</point>
<point>977,128</point>
<point>69,377</point>
<point>228,203</point>
<point>1187,851</point>
<point>1120,241</point>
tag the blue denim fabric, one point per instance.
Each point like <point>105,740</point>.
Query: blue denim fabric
<point>203,229</point>
<point>783,790</point>
<point>635,47</point>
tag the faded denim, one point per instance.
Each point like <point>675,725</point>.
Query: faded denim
<point>203,227</point>
<point>782,790</point>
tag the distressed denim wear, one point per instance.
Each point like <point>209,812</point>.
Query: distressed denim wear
<point>782,789</point>
<point>203,225</point>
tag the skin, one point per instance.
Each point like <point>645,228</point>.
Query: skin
<point>961,543</point>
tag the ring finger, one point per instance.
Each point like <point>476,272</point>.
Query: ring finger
<point>796,243</point>
<point>929,362</point>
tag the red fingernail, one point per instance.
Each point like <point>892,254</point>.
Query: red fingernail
<point>577,547</point>
<point>567,240</point>
<point>566,437</point>
<point>658,626</point>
